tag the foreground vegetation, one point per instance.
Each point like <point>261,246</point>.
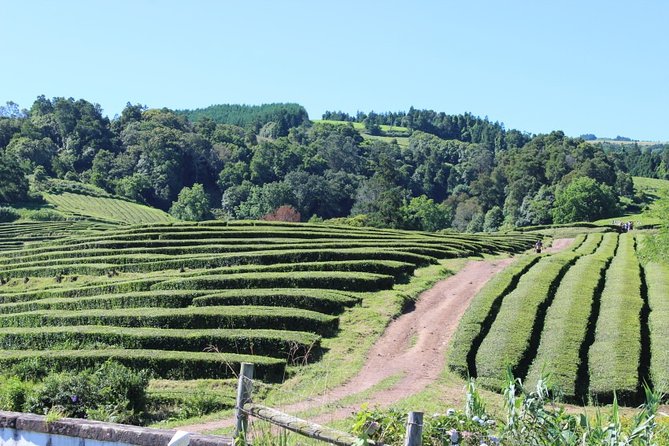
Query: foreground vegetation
<point>530,417</point>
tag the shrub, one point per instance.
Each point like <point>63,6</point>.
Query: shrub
<point>567,322</point>
<point>13,393</point>
<point>482,313</point>
<point>46,215</point>
<point>283,213</point>
<point>111,392</point>
<point>8,214</point>
<point>657,278</point>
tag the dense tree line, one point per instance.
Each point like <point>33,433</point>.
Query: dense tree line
<point>650,161</point>
<point>458,171</point>
<point>268,119</point>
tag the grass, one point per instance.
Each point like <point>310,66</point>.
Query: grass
<point>651,188</point>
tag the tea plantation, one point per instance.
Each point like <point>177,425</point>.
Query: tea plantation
<point>592,317</point>
<point>192,301</point>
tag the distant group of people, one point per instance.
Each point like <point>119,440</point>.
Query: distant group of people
<point>625,226</point>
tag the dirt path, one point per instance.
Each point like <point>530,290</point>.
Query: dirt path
<point>413,345</point>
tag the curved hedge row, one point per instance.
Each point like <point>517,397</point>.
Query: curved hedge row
<point>192,317</point>
<point>273,343</point>
<point>161,363</point>
<point>323,301</point>
<point>334,280</point>
<point>157,299</point>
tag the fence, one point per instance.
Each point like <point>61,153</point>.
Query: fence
<point>245,408</point>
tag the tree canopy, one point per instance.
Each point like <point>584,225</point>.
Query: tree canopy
<point>457,171</point>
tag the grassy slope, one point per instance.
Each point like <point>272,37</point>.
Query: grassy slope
<point>651,187</point>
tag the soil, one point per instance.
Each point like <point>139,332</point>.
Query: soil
<point>413,346</point>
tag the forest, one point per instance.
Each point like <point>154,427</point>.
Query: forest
<point>419,169</point>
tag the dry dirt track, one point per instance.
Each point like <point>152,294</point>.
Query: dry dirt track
<point>413,345</point>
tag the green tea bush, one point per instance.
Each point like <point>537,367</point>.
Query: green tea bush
<point>334,280</point>
<point>657,278</point>
<point>35,364</point>
<point>323,301</point>
<point>13,393</point>
<point>192,318</point>
<point>511,334</point>
<point>290,345</point>
<point>482,311</point>
<point>614,356</point>
<point>567,322</point>
<point>46,215</point>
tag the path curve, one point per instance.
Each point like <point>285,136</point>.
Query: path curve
<point>413,345</point>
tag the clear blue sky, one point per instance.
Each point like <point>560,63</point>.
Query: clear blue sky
<point>580,66</point>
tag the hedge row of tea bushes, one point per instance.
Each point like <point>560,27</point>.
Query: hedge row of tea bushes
<point>577,315</point>
<point>172,295</point>
<point>614,357</point>
<point>481,313</point>
<point>657,279</point>
<point>14,236</point>
<point>273,343</point>
<point>567,321</point>
<point>512,332</point>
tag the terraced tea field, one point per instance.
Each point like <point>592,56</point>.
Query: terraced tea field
<point>18,235</point>
<point>105,209</point>
<point>192,301</point>
<point>592,317</point>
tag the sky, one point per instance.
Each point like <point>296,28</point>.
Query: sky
<point>592,66</point>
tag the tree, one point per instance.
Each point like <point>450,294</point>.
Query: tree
<point>265,199</point>
<point>584,199</point>
<point>283,213</point>
<point>493,219</point>
<point>424,214</point>
<point>13,183</point>
<point>192,204</point>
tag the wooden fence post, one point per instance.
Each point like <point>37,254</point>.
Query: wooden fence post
<point>244,392</point>
<point>414,429</point>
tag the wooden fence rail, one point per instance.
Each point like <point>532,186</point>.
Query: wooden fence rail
<point>245,408</point>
